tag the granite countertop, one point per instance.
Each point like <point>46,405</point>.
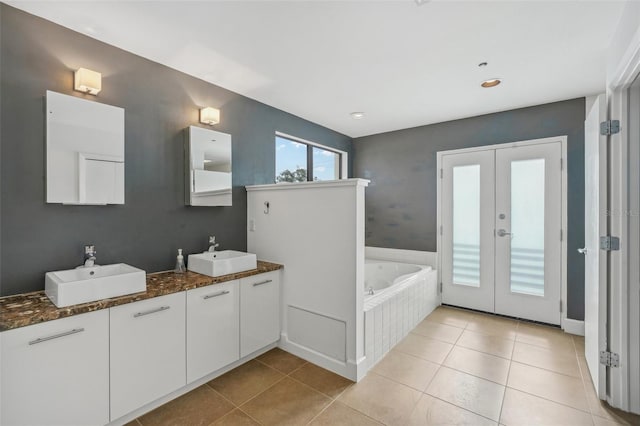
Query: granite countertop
<point>25,309</point>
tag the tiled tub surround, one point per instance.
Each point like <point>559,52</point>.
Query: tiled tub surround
<point>32,308</point>
<point>389,317</point>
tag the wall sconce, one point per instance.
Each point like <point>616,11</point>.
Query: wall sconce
<point>209,116</point>
<point>87,81</point>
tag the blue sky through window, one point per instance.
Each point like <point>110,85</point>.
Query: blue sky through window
<point>291,155</point>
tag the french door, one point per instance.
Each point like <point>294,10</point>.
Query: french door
<point>501,236</point>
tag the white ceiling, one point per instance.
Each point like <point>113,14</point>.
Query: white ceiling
<point>404,65</point>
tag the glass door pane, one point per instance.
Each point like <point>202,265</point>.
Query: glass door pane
<point>466,225</point>
<point>527,226</point>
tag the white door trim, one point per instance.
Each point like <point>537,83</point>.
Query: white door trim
<point>624,381</point>
<point>563,141</point>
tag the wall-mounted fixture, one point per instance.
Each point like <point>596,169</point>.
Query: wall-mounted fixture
<point>85,151</point>
<point>207,167</point>
<point>87,81</point>
<point>209,116</point>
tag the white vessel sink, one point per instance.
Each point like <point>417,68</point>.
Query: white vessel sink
<point>82,285</point>
<point>221,262</point>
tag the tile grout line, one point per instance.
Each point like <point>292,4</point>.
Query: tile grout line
<point>457,406</point>
<point>584,387</point>
<point>546,369</point>
<point>408,354</point>
<point>235,406</point>
<point>220,394</point>
<point>404,384</point>
<point>298,368</point>
<point>550,400</point>
<point>250,416</point>
<point>316,390</point>
<point>504,395</point>
<point>477,377</point>
<point>432,338</point>
<point>483,352</point>
<point>260,393</point>
<point>321,411</point>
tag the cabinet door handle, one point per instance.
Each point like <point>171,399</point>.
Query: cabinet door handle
<point>55,336</point>
<point>220,293</point>
<point>153,311</point>
<point>262,282</point>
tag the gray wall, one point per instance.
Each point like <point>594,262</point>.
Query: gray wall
<point>401,199</point>
<point>159,102</point>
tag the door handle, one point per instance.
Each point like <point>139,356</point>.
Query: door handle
<point>502,233</point>
<point>582,250</point>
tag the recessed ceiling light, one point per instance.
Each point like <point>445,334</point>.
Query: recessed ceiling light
<point>492,82</point>
<point>357,115</point>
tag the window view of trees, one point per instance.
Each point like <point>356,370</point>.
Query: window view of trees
<point>301,162</point>
<point>298,175</point>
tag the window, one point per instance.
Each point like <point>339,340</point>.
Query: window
<point>302,161</point>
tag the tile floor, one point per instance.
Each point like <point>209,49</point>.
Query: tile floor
<point>455,368</point>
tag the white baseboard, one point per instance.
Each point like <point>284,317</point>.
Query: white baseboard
<point>572,326</point>
<point>350,369</point>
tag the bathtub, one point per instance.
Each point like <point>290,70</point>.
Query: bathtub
<point>380,276</point>
<point>403,295</point>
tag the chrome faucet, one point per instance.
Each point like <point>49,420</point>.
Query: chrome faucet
<point>371,291</point>
<point>212,244</point>
<point>89,256</point>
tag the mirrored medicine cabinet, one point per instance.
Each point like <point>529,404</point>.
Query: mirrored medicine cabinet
<point>84,150</point>
<point>207,167</point>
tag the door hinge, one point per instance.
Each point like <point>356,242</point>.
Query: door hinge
<point>609,359</point>
<point>440,287</point>
<point>562,164</point>
<point>610,127</point>
<point>440,229</point>
<point>560,306</point>
<point>561,234</point>
<point>441,173</point>
<point>609,243</point>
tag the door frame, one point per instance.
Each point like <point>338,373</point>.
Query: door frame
<point>624,381</point>
<point>563,144</point>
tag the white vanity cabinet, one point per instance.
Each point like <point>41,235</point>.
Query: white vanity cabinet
<point>213,328</point>
<point>147,351</point>
<point>259,311</point>
<point>57,372</point>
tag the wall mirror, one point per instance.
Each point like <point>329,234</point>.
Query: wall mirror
<point>208,167</point>
<point>85,151</point>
